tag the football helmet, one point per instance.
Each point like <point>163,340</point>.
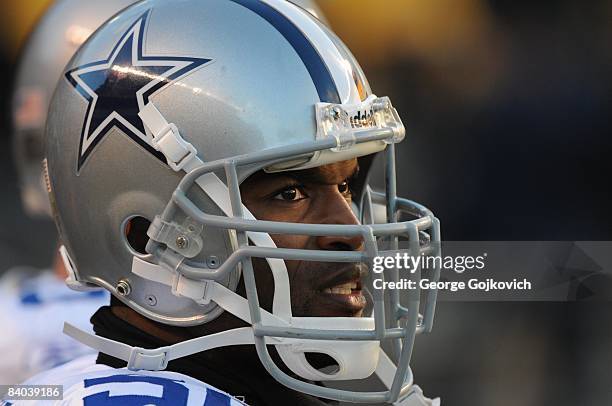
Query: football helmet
<point>62,29</point>
<point>161,115</point>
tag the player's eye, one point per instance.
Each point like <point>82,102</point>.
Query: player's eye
<point>290,194</point>
<point>344,188</point>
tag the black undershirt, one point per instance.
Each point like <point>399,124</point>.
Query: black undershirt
<point>235,370</point>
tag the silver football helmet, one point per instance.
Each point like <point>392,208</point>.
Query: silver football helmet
<point>161,115</point>
<point>62,29</point>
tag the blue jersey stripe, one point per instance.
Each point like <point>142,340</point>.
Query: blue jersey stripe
<point>214,398</point>
<point>320,75</point>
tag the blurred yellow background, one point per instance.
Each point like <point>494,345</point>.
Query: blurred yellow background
<point>16,21</point>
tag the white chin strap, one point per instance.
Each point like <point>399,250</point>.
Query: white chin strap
<point>355,359</point>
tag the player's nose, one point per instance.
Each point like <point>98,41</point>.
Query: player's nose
<point>338,211</point>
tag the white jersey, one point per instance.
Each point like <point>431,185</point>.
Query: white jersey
<point>32,314</point>
<point>88,384</point>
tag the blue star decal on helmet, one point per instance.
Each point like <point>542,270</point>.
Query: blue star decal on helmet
<point>119,86</point>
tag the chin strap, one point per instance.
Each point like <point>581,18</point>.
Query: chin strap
<point>157,359</point>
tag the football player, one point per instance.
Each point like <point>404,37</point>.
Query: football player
<point>35,303</point>
<point>207,165</point>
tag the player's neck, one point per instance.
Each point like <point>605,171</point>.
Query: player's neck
<point>166,334</point>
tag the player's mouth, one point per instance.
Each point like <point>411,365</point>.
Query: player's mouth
<point>345,288</point>
<point>342,293</point>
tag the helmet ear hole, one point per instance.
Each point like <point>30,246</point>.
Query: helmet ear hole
<point>135,232</point>
<point>322,362</point>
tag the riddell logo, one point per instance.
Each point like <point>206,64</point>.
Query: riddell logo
<point>363,118</point>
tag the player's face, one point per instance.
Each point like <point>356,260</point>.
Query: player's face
<point>320,196</point>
